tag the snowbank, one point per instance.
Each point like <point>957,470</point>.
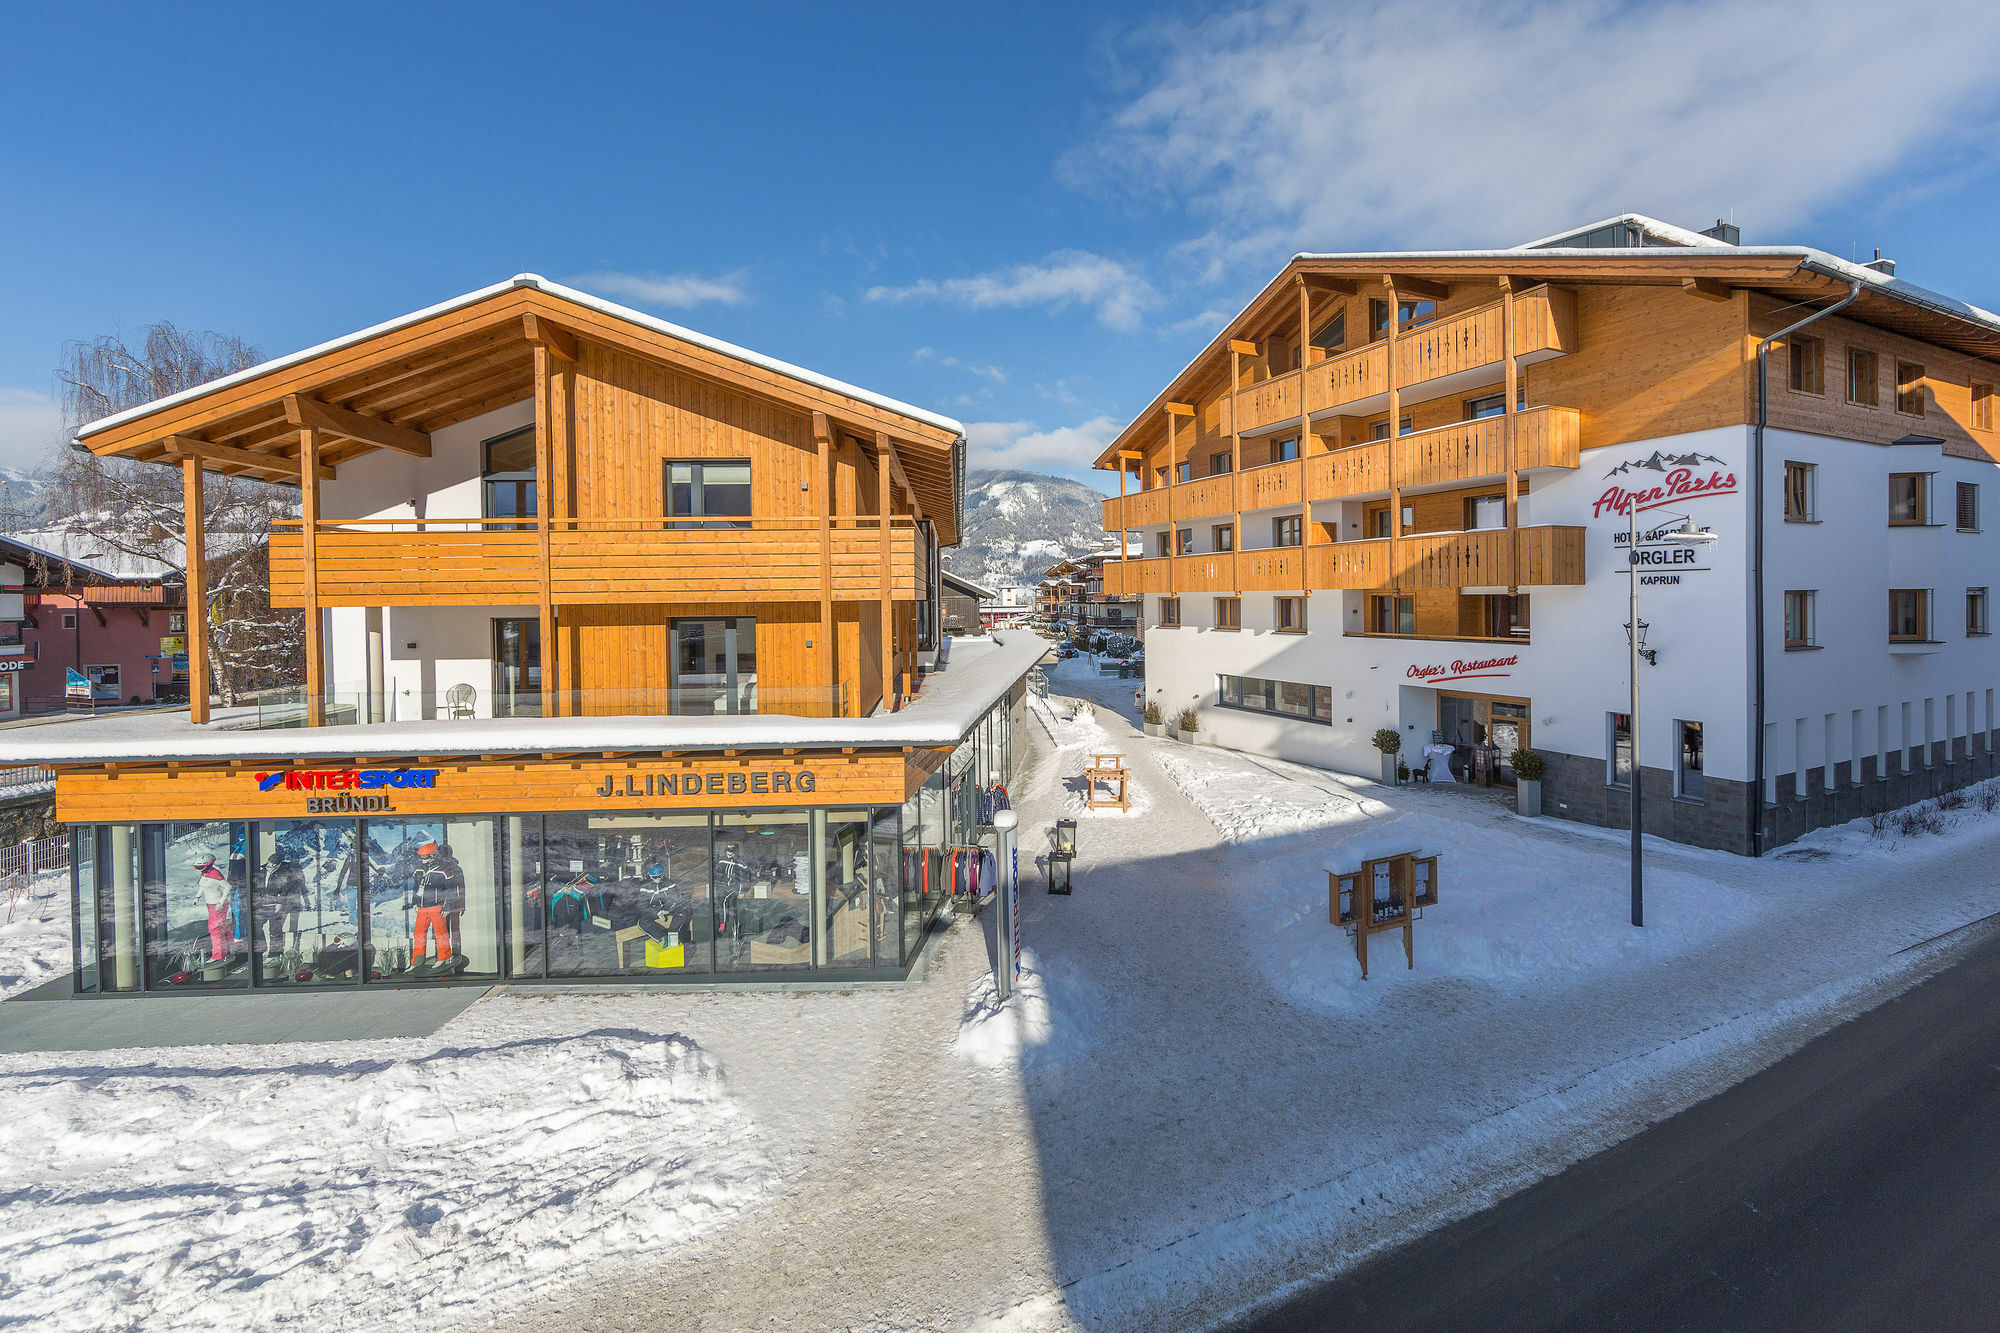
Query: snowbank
<point>1048,1020</point>
<point>34,946</point>
<point>371,1189</point>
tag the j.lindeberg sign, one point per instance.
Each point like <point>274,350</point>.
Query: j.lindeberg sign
<point>741,782</point>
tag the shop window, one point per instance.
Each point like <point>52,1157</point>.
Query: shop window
<point>1306,703</point>
<point>1224,535</point>
<point>763,891</point>
<point>1976,625</point>
<point>1284,451</point>
<point>1183,541</point>
<point>1806,364</point>
<point>1618,769</point>
<point>305,904</point>
<point>1968,506</point>
<point>1485,511</point>
<point>1392,615</point>
<point>1982,407</point>
<point>507,479</point>
<point>1863,387</point>
<point>1218,464</point>
<point>1801,492</point>
<point>1909,615</point>
<point>708,493</point>
<point>1331,335</point>
<point>197,908</point>
<point>1170,612</point>
<point>1909,388</point>
<point>712,666</point>
<point>1229,613</point>
<point>7,693</point>
<point>1290,615</point>
<point>1907,494</point>
<point>1687,767</point>
<point>1799,619</point>
<point>1287,531</point>
<point>431,912</point>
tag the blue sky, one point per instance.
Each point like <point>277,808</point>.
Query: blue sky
<point>1028,216</point>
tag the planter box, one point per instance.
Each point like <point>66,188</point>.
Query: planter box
<point>1173,732</point>
<point>1389,762</point>
<point>1155,728</point>
<point>1528,797</point>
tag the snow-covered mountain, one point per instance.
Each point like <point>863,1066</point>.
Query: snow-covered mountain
<point>24,495</point>
<point>1017,524</point>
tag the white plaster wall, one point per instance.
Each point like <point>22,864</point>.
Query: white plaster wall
<point>386,484</point>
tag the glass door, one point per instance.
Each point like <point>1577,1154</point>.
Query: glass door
<point>517,668</point>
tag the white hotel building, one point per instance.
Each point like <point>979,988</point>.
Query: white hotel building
<point>1312,576</point>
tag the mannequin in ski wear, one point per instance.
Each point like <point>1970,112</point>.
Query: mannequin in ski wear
<point>438,887</point>
<point>215,896</point>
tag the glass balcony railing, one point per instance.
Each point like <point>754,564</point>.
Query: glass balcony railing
<point>286,707</point>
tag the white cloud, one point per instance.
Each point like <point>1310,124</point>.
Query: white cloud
<point>983,370</point>
<point>673,291</point>
<point>30,427</point>
<point>1020,444</point>
<point>1065,278</point>
<point>1324,126</point>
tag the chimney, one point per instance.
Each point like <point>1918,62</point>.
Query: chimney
<point>1726,232</point>
<point>1886,267</point>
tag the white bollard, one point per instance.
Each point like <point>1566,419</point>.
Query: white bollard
<point>1007,924</point>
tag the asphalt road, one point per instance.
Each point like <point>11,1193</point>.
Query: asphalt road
<point>1853,1185</point>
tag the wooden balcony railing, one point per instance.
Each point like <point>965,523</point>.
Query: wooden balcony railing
<point>1263,405</point>
<point>1549,556</point>
<point>1205,496</point>
<point>1270,486</point>
<point>416,562</point>
<point>1215,572</point>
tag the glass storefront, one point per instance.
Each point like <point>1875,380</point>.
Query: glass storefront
<point>291,903</point>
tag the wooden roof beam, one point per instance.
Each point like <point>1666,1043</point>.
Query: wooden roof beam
<point>1708,289</point>
<point>1424,289</point>
<point>182,446</point>
<point>306,412</point>
<point>561,344</point>
<point>1321,282</point>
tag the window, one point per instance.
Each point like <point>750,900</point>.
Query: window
<point>1160,540</point>
<point>1799,620</point>
<point>1286,531</point>
<point>1909,615</point>
<point>1807,364</point>
<point>1982,407</point>
<point>1618,770</point>
<point>1183,541</point>
<point>1170,612</point>
<point>1504,617</point>
<point>1968,506</point>
<point>1183,472</point>
<point>1975,613</point>
<point>1409,314</point>
<point>517,668</point>
<point>718,492</point>
<point>1392,615</point>
<point>1284,451</point>
<point>1801,481</point>
<point>69,620</point>
<point>1494,404</point>
<point>1687,770</point>
<point>104,680</point>
<point>177,622</point>
<point>1379,430</point>
<point>1485,511</point>
<point>1861,378</point>
<point>1218,464</point>
<point>1906,498</point>
<point>1909,388</point>
<point>1332,335</point>
<point>1375,521</point>
<point>713,666</point>
<point>1229,613</point>
<point>1291,615</point>
<point>1307,703</point>
<point>1224,535</point>
<point>507,478</point>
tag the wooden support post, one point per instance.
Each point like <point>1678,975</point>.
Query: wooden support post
<point>1395,428</point>
<point>553,682</point>
<point>884,452</point>
<point>194,517</point>
<point>1305,438</point>
<point>309,574</point>
<point>1236,473</point>
<point>1512,430</point>
<point>823,503</point>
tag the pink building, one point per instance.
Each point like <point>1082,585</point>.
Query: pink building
<point>66,603</point>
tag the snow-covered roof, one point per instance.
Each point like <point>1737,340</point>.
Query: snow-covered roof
<point>974,589</point>
<point>980,672</point>
<point>1665,231</point>
<point>561,292</point>
<point>93,555</point>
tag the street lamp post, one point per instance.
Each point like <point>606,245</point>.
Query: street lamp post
<point>1688,534</point>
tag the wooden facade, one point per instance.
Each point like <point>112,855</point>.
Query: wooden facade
<point>850,497</point>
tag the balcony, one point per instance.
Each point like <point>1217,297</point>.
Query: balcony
<point>418,562</point>
<point>1431,360</point>
<point>1461,453</point>
<point>1548,556</point>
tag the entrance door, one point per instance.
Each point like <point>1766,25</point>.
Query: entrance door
<point>1458,719</point>
<point>1509,733</point>
<point>517,668</point>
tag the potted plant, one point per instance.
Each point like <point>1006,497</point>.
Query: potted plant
<point>1528,767</point>
<point>1189,725</point>
<point>1389,741</point>
<point>1152,718</point>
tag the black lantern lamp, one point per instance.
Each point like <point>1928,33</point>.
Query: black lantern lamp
<point>1059,865</point>
<point>1066,837</point>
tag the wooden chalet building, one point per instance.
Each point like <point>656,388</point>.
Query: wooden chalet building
<point>617,647</point>
<point>1394,492</point>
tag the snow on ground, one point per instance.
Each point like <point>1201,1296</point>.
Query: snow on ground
<point>1045,1021</point>
<point>353,1185</point>
<point>34,939</point>
<point>1072,725</point>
